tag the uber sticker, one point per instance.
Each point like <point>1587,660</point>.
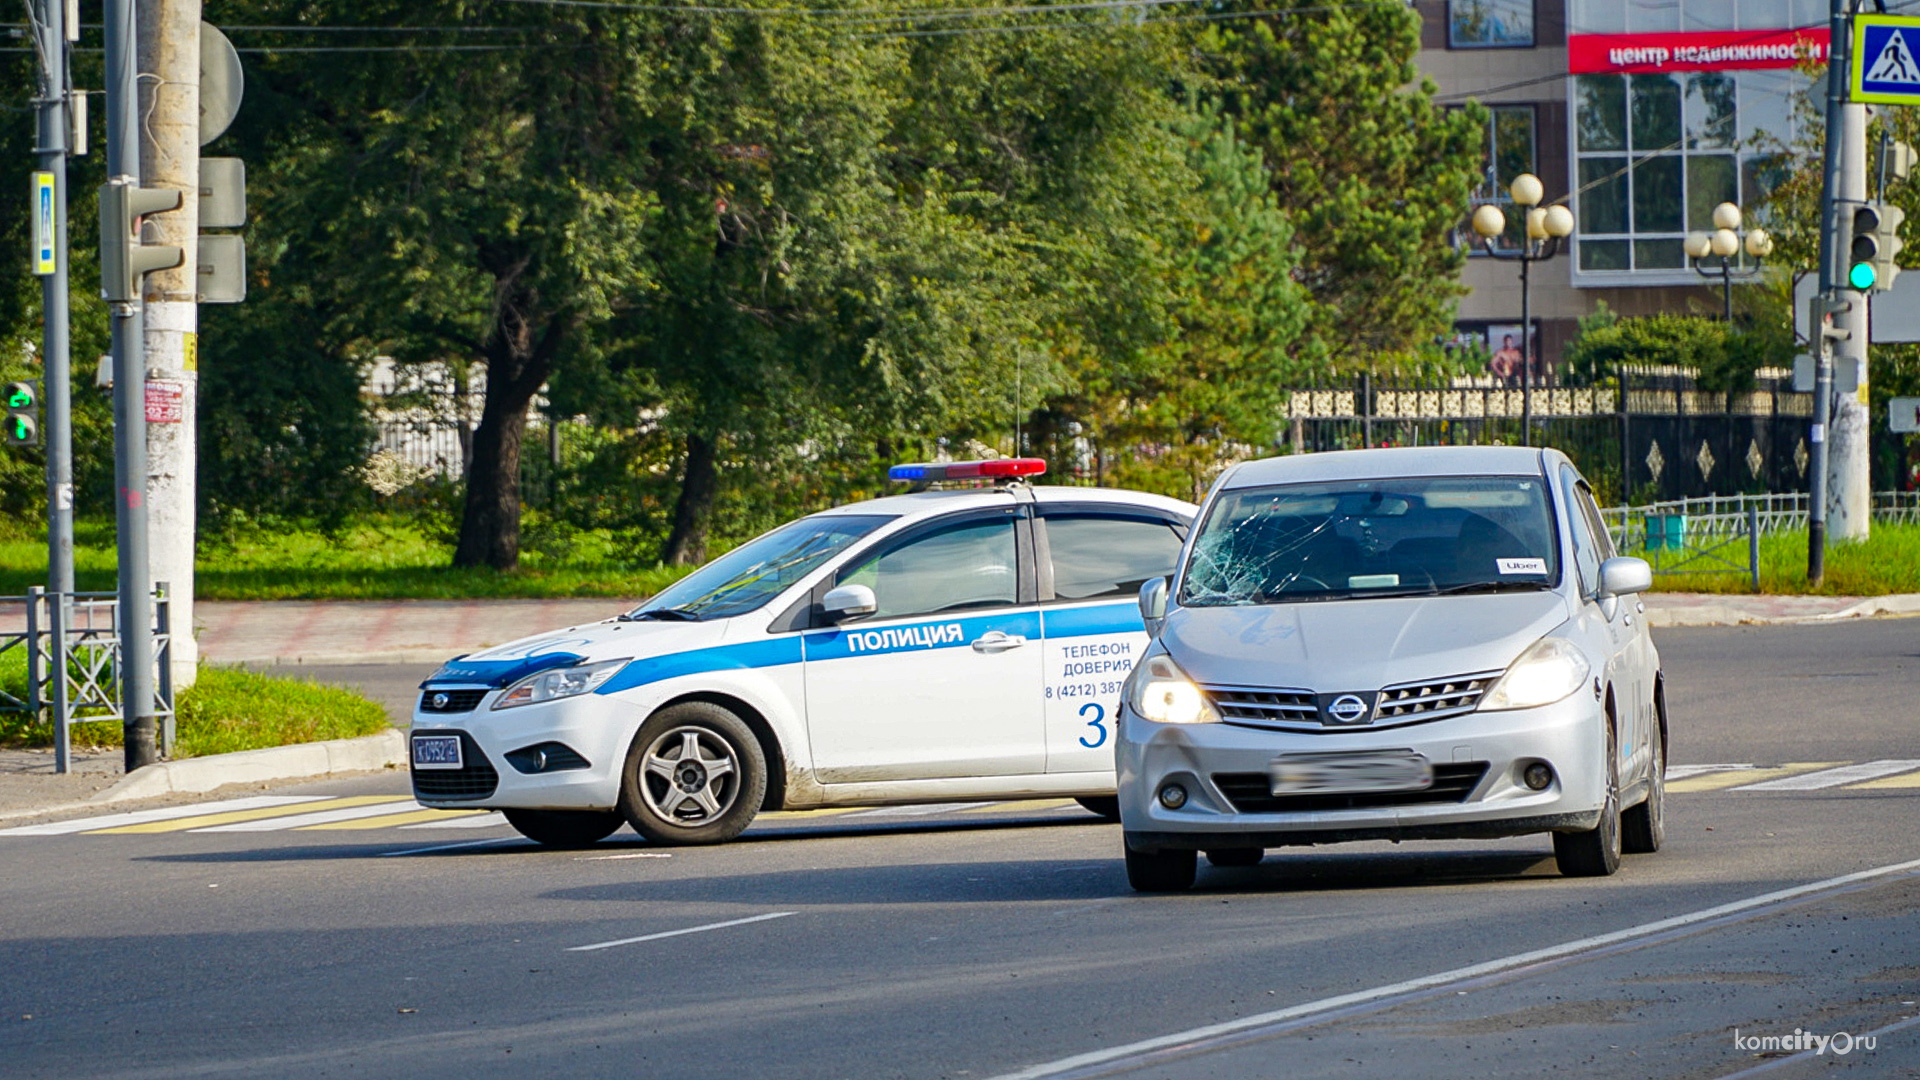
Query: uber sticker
<point>1522,566</point>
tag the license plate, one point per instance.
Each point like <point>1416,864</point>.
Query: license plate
<point>1346,774</point>
<point>437,752</point>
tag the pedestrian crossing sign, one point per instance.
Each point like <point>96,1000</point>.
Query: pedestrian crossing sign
<point>1885,61</point>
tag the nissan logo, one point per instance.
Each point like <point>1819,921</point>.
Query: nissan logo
<point>1347,709</point>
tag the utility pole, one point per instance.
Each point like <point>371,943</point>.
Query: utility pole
<point>170,158</point>
<point>130,416</point>
<point>53,39</point>
<point>1849,434</point>
<point>1845,180</point>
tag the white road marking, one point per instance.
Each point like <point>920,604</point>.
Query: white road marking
<point>1116,1054</point>
<point>688,930</point>
<point>474,821</point>
<point>922,810</point>
<point>321,817</point>
<point>449,847</point>
<point>1826,778</point>
<point>140,817</point>
<point>629,855</point>
<point>1681,772</point>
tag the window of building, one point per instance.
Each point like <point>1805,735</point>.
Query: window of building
<point>1489,24</point>
<point>1655,153</point>
<point>1507,152</point>
<point>1668,16</point>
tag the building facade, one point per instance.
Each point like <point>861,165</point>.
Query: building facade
<point>1640,116</point>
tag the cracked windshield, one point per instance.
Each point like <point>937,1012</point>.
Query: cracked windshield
<point>757,571</point>
<point>1372,538</point>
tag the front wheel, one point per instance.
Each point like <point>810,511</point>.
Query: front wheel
<point>564,829</point>
<point>1643,828</point>
<point>694,775</point>
<point>1161,871</point>
<point>1595,852</point>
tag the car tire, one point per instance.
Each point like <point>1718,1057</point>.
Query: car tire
<point>695,774</point>
<point>564,829</point>
<point>1107,806</point>
<point>1643,828</point>
<point>1236,856</point>
<point>1161,871</point>
<point>1595,852</point>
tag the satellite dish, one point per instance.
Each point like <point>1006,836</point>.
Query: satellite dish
<point>221,83</point>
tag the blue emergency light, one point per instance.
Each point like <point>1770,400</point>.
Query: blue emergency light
<point>998,469</point>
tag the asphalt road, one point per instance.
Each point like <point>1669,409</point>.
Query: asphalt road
<point>1002,940</point>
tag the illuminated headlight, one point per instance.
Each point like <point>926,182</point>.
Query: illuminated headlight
<point>559,683</point>
<point>1161,692</point>
<point>1549,670</point>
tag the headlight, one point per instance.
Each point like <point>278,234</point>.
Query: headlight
<point>1549,670</point>
<point>559,683</point>
<point>1161,692</point>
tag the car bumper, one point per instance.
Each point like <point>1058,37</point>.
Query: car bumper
<point>1216,763</point>
<point>596,727</point>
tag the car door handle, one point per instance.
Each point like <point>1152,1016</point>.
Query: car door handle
<point>994,641</point>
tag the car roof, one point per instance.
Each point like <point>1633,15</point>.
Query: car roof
<point>1398,461</point>
<point>922,503</point>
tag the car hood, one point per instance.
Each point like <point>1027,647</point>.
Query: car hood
<point>612,639</point>
<point>1344,645</point>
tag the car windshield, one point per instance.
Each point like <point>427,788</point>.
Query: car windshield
<point>1355,539</point>
<point>758,570</point>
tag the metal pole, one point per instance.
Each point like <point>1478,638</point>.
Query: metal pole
<point>1753,544</point>
<point>135,616</point>
<point>1526,346</point>
<point>55,359</point>
<point>1838,47</point>
<point>1726,288</point>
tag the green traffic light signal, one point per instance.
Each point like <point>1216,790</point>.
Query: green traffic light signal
<point>20,429</point>
<point>1861,276</point>
<point>19,397</point>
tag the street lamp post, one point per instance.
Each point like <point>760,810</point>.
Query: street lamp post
<point>1546,227</point>
<point>1725,241</point>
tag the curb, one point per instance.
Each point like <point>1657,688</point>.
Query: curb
<point>1734,614</point>
<point>299,762</point>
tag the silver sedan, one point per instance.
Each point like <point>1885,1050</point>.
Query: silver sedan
<point>1432,643</point>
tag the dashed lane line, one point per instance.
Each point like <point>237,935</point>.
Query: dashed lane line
<point>1846,774</point>
<point>678,933</point>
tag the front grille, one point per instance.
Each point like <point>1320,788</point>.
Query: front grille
<point>476,780</point>
<point>1432,700</point>
<point>1252,793</point>
<point>1237,703</point>
<point>456,700</point>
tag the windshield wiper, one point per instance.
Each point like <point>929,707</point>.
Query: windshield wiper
<point>664,614</point>
<point>1492,587</point>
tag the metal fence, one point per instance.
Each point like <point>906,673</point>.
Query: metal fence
<point>71,646</point>
<point>1706,535</point>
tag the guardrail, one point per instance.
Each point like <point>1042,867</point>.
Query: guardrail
<point>1702,535</point>
<point>71,643</point>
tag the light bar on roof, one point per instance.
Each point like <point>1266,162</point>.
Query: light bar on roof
<point>938,472</point>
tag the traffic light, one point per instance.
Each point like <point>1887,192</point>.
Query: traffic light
<point>124,260</point>
<point>1876,240</point>
<point>23,414</point>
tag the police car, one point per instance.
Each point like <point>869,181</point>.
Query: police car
<point>940,645</point>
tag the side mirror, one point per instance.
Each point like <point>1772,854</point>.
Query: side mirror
<point>1153,604</point>
<point>848,602</point>
<point>1624,574</point>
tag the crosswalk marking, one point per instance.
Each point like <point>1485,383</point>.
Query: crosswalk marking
<point>405,817</point>
<point>132,817</point>
<point>1025,806</point>
<point>386,805</point>
<point>1726,778</point>
<point>923,809</point>
<point>1904,780</point>
<point>201,821</point>
<point>1681,772</point>
<point>1846,774</point>
<point>797,815</point>
<point>483,820</point>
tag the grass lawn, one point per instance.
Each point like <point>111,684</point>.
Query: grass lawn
<point>225,710</point>
<point>1888,562</point>
<point>376,559</point>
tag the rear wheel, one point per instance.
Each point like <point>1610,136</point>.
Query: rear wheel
<point>1161,871</point>
<point>694,775</point>
<point>1595,852</point>
<point>1107,806</point>
<point>1236,856</point>
<point>565,828</point>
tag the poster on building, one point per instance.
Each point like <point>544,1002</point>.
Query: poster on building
<point>1506,362</point>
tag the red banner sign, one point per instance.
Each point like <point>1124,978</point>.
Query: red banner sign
<point>1704,50</point>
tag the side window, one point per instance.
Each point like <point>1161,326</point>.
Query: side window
<point>1586,546</point>
<point>1098,555</point>
<point>971,565</point>
<point>1595,522</point>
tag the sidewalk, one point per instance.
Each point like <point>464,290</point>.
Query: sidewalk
<point>428,631</point>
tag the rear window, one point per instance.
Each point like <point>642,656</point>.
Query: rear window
<point>1369,538</point>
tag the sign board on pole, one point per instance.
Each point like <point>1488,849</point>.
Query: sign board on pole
<point>164,402</point>
<point>44,227</point>
<point>1892,316</point>
<point>1903,414</point>
<point>1885,65</point>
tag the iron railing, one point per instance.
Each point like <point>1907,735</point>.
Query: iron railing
<point>71,644</point>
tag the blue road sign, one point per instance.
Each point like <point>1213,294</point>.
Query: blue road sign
<point>43,224</point>
<point>1885,66</point>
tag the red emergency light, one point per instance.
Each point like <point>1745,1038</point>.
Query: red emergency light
<point>939,472</point>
